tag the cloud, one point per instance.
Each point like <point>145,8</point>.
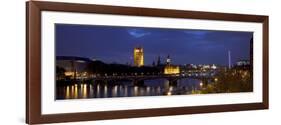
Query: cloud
<point>138,33</point>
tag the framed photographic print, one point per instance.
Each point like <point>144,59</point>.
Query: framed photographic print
<point>93,62</point>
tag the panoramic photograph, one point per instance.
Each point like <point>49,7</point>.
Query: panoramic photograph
<point>96,61</point>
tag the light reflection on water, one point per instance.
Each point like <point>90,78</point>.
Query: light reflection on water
<point>126,89</point>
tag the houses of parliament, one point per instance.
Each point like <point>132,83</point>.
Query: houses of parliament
<point>168,68</point>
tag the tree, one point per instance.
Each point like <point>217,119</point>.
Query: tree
<point>60,72</point>
<point>230,81</point>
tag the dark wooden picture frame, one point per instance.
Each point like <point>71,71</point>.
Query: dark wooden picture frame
<point>33,62</point>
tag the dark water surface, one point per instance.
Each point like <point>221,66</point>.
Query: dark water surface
<point>157,87</point>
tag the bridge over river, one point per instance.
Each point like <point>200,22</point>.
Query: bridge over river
<point>139,79</point>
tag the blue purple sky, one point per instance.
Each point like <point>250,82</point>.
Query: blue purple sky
<point>112,44</point>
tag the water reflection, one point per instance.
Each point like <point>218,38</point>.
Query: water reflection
<point>126,89</point>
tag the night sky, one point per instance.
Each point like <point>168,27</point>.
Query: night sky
<point>112,44</point>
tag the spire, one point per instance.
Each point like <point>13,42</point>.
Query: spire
<point>153,63</point>
<point>168,60</point>
<point>229,59</point>
<point>158,61</point>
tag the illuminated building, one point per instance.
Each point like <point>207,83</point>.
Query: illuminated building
<point>243,63</point>
<point>214,66</point>
<point>72,67</point>
<point>206,66</point>
<point>168,60</point>
<point>138,57</point>
<point>69,73</point>
<point>171,69</point>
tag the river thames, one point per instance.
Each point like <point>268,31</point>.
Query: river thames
<point>158,87</point>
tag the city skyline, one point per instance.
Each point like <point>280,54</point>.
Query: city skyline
<point>182,45</point>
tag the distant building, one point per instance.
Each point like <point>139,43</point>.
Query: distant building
<point>243,63</point>
<point>72,67</point>
<point>138,57</point>
<point>168,60</point>
<point>214,66</point>
<point>205,66</point>
<point>169,68</point>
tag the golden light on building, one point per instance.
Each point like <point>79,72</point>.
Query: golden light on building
<point>138,57</point>
<point>71,74</point>
<point>170,69</point>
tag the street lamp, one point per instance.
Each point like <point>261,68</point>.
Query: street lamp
<point>201,84</point>
<point>216,79</point>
